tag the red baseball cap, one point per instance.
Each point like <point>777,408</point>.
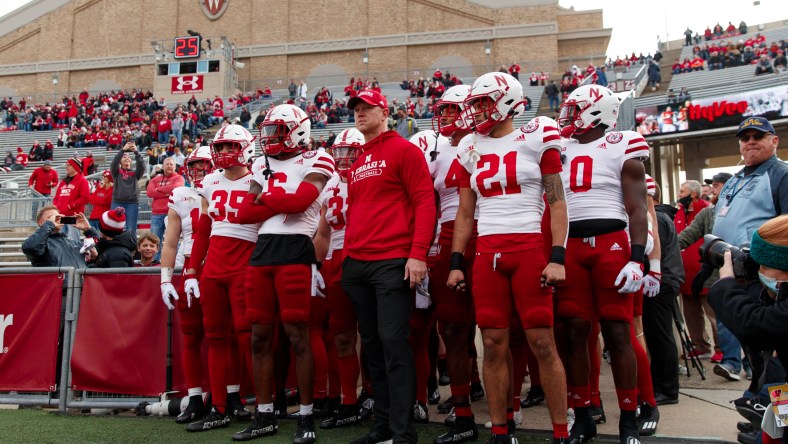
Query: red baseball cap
<point>372,97</point>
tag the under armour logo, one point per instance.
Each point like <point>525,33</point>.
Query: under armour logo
<point>192,81</point>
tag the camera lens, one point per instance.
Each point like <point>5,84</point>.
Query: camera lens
<point>713,250</point>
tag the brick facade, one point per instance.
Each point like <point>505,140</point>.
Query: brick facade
<point>106,28</point>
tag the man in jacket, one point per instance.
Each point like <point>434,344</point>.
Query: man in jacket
<point>697,305</point>
<point>752,196</point>
<point>658,310</point>
<point>160,189</point>
<point>406,126</point>
<point>690,204</point>
<point>50,247</point>
<point>43,179</point>
<point>72,194</point>
<point>390,225</point>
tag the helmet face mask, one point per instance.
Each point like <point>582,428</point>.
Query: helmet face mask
<point>286,129</point>
<point>346,149</point>
<point>198,165</point>
<point>494,98</point>
<point>233,146</point>
<point>449,111</point>
<point>588,107</point>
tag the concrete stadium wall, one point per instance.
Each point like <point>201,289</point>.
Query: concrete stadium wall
<point>96,29</point>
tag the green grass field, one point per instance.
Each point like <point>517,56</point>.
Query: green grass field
<point>39,426</point>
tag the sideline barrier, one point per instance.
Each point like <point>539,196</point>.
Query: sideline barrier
<point>31,312</point>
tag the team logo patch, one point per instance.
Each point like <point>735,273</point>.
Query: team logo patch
<point>309,154</point>
<point>213,9</point>
<point>614,137</point>
<point>532,126</point>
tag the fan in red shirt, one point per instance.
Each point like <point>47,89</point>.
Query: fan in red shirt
<point>101,199</point>
<point>43,179</point>
<point>21,158</point>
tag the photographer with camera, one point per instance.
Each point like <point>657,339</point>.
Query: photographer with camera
<point>760,323</point>
<point>752,196</point>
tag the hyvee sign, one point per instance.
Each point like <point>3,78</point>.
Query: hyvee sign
<point>713,112</point>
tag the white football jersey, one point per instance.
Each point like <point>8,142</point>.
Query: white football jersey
<point>334,197</point>
<point>506,177</point>
<point>288,175</point>
<point>446,171</point>
<point>186,202</point>
<point>651,186</point>
<point>224,198</point>
<point>592,174</point>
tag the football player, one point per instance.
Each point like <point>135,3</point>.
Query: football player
<point>329,242</point>
<point>604,180</point>
<point>508,171</point>
<point>225,245</point>
<point>282,275</point>
<point>184,207</point>
<point>454,310</point>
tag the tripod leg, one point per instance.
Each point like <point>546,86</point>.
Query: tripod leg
<point>686,343</point>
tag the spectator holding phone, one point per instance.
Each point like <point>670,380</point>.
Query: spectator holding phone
<point>50,247</point>
<point>126,193</point>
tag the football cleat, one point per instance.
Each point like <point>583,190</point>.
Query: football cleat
<point>305,433</point>
<point>346,415</point>
<point>464,429</point>
<point>420,413</point>
<point>598,413</point>
<point>263,424</point>
<point>194,410</point>
<point>235,407</point>
<point>434,397</point>
<point>534,397</point>
<point>583,430</point>
<point>213,420</point>
<point>477,391</point>
<point>648,419</point>
<point>367,404</point>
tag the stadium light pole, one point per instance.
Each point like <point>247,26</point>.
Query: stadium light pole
<point>55,81</point>
<point>487,51</point>
<point>365,59</point>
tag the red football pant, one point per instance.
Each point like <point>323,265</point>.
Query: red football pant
<point>224,319</point>
<point>282,289</point>
<point>190,320</point>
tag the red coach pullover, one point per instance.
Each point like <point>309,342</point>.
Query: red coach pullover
<point>391,205</point>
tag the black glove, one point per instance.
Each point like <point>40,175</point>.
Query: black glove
<point>697,284</point>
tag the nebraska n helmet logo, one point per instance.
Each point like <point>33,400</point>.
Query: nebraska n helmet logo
<point>192,81</point>
<point>213,9</point>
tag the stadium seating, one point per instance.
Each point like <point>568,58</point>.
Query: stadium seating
<point>772,35</point>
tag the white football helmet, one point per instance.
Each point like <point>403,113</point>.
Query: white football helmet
<point>452,103</point>
<point>504,96</point>
<point>286,129</point>
<point>588,107</point>
<point>346,149</point>
<point>243,147</point>
<point>425,140</point>
<point>198,165</point>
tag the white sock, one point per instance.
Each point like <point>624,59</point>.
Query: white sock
<point>305,409</point>
<point>263,408</point>
<point>196,391</point>
<point>233,388</point>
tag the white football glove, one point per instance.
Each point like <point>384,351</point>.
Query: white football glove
<point>192,288</point>
<point>651,284</point>
<point>167,292</point>
<point>318,284</point>
<point>423,298</point>
<point>649,243</point>
<point>631,276</point>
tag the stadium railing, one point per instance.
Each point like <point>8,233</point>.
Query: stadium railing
<point>18,207</point>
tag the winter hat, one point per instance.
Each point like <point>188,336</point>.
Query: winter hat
<point>19,150</point>
<point>108,174</point>
<point>113,222</point>
<point>76,163</point>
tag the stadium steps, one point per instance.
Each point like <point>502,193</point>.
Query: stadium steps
<point>666,72</point>
<point>11,246</point>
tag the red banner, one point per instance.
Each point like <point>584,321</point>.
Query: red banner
<point>187,84</point>
<point>121,339</point>
<point>29,321</point>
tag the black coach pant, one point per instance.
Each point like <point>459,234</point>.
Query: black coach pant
<point>383,302</point>
<point>658,328</point>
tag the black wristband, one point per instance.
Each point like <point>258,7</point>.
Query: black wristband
<point>638,254</point>
<point>456,261</point>
<point>319,265</point>
<point>558,255</point>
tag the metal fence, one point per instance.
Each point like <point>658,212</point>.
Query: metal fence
<point>18,207</point>
<point>64,396</point>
